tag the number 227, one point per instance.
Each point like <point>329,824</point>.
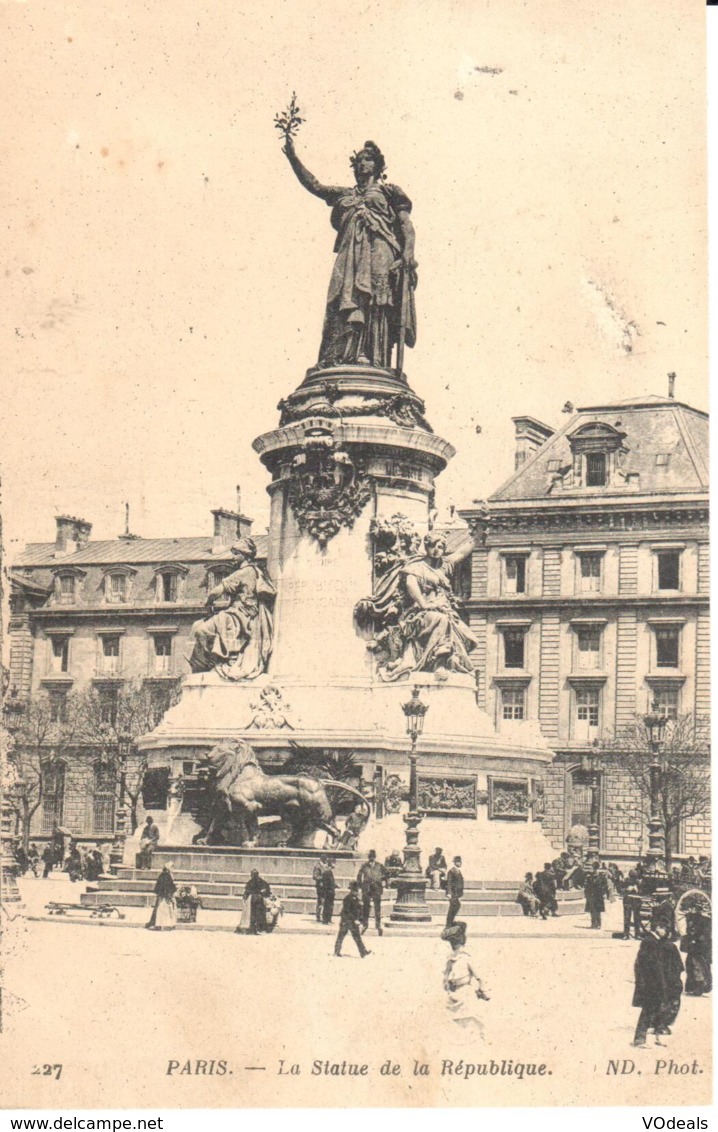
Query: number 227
<point>47,1071</point>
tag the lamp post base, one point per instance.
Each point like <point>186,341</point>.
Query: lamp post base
<point>410,906</point>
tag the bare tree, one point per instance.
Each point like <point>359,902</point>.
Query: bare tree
<point>682,782</point>
<point>113,719</point>
<point>42,734</point>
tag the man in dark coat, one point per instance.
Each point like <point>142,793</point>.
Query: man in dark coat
<point>596,889</point>
<point>658,985</point>
<point>318,876</point>
<point>632,906</point>
<point>545,889</point>
<point>329,886</point>
<point>350,921</point>
<point>371,878</point>
<point>697,945</point>
<point>454,890</point>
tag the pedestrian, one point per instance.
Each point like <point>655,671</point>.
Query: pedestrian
<point>350,922</point>
<point>527,897</point>
<point>658,987</point>
<point>164,913</point>
<point>372,878</point>
<point>329,886</point>
<point>696,944</point>
<point>33,858</point>
<point>254,911</point>
<point>74,862</point>
<point>436,869</point>
<point>632,906</point>
<point>464,988</point>
<point>596,890</point>
<point>454,890</point>
<point>149,840</point>
<point>545,891</point>
<point>317,875</point>
<point>48,859</point>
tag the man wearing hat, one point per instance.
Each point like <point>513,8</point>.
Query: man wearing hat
<point>372,878</point>
<point>596,890</point>
<point>350,921</point>
<point>236,638</point>
<point>436,868</point>
<point>454,890</point>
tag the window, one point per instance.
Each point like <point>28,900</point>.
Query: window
<point>669,569</point>
<point>53,796</point>
<point>514,648</point>
<point>217,574</point>
<point>168,586</point>
<point>667,640</point>
<point>116,588</point>
<point>59,655</point>
<point>590,572</point>
<point>588,642</point>
<point>162,652</point>
<point>515,574</point>
<point>665,701</point>
<point>58,706</point>
<point>110,657</point>
<point>109,698</point>
<point>512,703</point>
<point>68,584</point>
<point>103,802</point>
<point>595,469</point>
<point>588,701</point>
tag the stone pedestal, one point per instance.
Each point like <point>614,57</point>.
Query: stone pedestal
<point>353,449</point>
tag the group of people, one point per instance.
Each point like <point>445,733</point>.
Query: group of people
<point>81,861</point>
<point>260,908</point>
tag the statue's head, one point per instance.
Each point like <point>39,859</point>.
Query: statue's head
<point>435,545</point>
<point>244,548</point>
<point>368,162</point>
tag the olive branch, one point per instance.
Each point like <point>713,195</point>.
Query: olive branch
<point>289,121</point>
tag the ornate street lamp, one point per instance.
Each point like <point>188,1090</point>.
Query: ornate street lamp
<point>411,906</point>
<point>655,725</point>
<point>591,765</point>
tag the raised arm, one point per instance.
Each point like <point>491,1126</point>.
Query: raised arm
<point>306,179</point>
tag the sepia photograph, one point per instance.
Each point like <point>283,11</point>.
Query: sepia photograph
<point>354,748</point>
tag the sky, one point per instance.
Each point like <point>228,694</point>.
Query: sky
<point>166,275</point>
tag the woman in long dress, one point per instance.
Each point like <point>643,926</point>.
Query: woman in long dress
<point>697,945</point>
<point>464,989</point>
<point>164,913</point>
<point>254,910</point>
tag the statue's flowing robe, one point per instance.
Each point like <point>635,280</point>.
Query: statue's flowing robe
<point>438,636</point>
<point>364,301</point>
<point>237,641</point>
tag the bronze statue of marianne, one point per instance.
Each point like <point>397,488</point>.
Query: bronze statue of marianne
<point>370,305</point>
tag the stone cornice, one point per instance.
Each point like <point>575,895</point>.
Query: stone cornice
<point>578,520</point>
<point>526,605</point>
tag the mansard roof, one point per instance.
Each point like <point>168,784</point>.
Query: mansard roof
<point>652,426</point>
<point>131,552</point>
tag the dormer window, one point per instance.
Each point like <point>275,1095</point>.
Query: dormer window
<point>68,586</point>
<point>118,584</point>
<point>596,469</point>
<point>169,581</point>
<point>598,452</point>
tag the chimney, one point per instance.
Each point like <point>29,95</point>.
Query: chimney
<point>530,435</point>
<point>228,527</point>
<point>671,385</point>
<point>72,535</point>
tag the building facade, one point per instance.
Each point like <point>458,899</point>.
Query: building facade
<point>106,616</point>
<point>589,595</point>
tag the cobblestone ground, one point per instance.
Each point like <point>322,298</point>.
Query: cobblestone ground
<point>119,1007</point>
